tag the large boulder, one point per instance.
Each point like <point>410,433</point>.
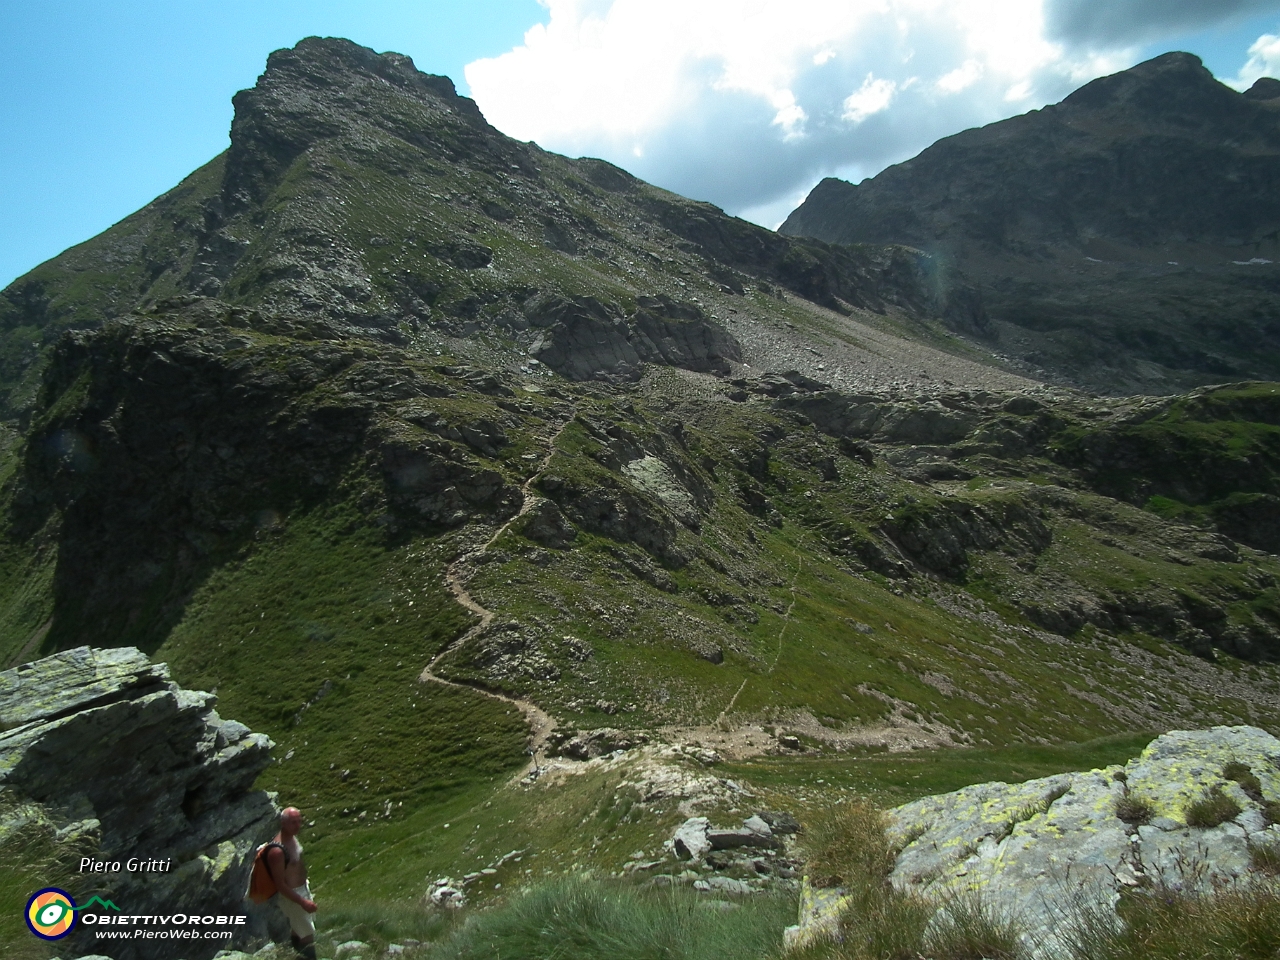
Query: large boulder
<point>1043,850</point>
<point>101,751</point>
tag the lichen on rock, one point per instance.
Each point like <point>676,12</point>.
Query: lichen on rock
<point>1044,849</point>
<point>1052,851</point>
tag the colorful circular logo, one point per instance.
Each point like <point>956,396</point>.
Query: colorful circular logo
<point>51,913</point>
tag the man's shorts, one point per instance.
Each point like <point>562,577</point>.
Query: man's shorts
<point>302,923</point>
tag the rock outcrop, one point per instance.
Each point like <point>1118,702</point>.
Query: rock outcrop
<point>585,339</point>
<point>1184,815</point>
<point>103,748</point>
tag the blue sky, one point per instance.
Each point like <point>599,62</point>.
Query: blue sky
<point>742,102</point>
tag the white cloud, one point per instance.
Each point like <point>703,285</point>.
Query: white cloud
<point>870,98</point>
<point>1264,61</point>
<point>961,78</point>
<point>747,103</point>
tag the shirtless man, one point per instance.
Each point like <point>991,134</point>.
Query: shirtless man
<point>289,872</point>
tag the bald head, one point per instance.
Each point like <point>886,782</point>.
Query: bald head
<point>290,821</point>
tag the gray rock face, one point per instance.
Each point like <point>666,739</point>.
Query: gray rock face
<point>695,838</point>
<point>1039,850</point>
<point>100,745</point>
<point>690,840</point>
<point>865,417</point>
<point>545,524</point>
<point>589,744</point>
<point>681,335</point>
<point>585,339</point>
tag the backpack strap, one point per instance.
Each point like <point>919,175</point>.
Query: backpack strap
<point>274,843</point>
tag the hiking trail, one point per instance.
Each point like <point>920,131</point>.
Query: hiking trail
<point>786,622</point>
<point>457,575</point>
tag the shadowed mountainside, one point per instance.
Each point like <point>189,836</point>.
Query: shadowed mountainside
<point>1121,239</point>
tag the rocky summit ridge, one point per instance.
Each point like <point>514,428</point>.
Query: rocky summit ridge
<point>362,198</point>
<point>1122,239</point>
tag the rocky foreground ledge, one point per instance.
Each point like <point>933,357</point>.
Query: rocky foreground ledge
<point>1189,814</point>
<point>101,751</point>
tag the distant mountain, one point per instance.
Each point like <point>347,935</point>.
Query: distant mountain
<point>1122,239</point>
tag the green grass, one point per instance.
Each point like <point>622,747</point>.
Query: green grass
<point>26,594</point>
<point>897,778</point>
<point>578,919</point>
<point>31,857</point>
<point>317,638</point>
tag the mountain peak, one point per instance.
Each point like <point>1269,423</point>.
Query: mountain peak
<point>325,87</point>
<point>1172,82</point>
<point>1264,88</point>
<point>323,61</point>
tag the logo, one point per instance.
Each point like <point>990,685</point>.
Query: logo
<point>51,913</point>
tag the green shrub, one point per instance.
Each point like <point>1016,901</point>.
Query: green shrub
<point>1214,808</point>
<point>1135,810</point>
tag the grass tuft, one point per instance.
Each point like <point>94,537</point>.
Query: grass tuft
<point>848,845</point>
<point>882,924</point>
<point>1135,810</point>
<point>968,928</point>
<point>1240,923</point>
<point>1212,809</point>
<point>1248,780</point>
<point>1271,810</point>
<point>1265,858</point>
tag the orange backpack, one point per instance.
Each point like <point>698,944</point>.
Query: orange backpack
<point>261,887</point>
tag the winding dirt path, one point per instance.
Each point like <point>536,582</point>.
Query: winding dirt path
<point>786,622</point>
<point>458,574</point>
